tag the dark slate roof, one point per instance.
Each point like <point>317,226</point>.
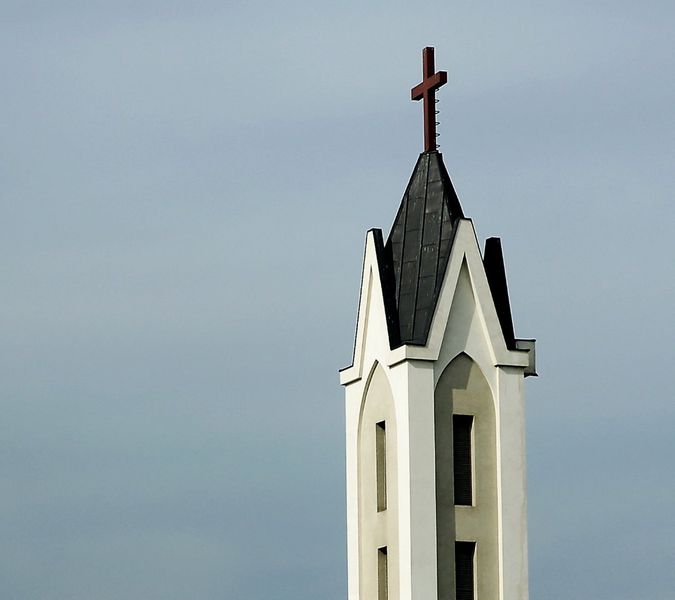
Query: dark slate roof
<point>493,261</point>
<point>415,256</point>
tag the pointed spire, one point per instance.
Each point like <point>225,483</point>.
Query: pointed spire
<point>418,248</point>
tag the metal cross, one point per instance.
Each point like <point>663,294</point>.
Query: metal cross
<point>427,91</point>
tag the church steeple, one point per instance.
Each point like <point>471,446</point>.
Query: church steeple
<point>435,434</point>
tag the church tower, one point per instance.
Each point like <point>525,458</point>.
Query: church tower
<point>435,432</point>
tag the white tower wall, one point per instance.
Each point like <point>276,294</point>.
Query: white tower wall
<point>402,387</point>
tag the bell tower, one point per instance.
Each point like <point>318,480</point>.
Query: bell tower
<point>435,433</point>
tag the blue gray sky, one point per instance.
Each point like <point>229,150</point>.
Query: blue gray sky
<point>185,189</point>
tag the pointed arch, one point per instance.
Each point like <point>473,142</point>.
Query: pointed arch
<point>377,458</point>
<point>463,389</point>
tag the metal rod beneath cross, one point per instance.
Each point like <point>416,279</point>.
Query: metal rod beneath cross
<point>427,91</point>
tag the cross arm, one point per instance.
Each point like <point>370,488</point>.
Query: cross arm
<point>432,83</point>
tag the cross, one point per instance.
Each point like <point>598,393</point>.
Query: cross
<point>427,91</point>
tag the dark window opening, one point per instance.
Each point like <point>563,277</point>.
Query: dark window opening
<point>464,570</point>
<point>381,459</point>
<point>382,576</point>
<point>462,426</point>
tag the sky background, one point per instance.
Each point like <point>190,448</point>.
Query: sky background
<point>185,189</point>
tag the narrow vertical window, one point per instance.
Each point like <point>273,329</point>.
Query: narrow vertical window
<point>464,568</point>
<point>382,576</point>
<point>381,458</point>
<point>462,459</point>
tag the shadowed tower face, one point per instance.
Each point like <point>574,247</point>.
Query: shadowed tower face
<point>436,499</point>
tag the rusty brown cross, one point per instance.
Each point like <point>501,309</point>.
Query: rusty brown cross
<point>427,91</point>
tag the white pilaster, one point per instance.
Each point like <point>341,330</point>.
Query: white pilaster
<point>512,484</point>
<point>422,515</point>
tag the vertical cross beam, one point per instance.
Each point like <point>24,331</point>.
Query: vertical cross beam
<point>427,91</point>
